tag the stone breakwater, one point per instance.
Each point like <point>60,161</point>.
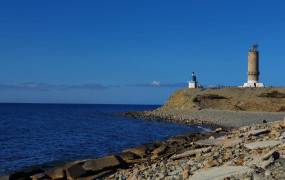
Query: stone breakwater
<point>249,152</point>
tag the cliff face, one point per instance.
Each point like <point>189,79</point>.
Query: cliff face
<point>236,99</point>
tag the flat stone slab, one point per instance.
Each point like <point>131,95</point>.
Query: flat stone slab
<point>219,141</point>
<point>100,164</point>
<point>262,144</point>
<point>209,142</point>
<point>140,150</point>
<point>222,172</point>
<point>191,152</point>
<point>231,142</point>
<point>258,132</point>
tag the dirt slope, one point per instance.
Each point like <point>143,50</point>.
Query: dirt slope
<point>237,99</point>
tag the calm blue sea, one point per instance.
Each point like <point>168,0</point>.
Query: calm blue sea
<point>37,134</point>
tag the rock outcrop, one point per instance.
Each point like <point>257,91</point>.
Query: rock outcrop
<point>226,107</point>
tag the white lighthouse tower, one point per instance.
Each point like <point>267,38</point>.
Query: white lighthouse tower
<point>193,83</point>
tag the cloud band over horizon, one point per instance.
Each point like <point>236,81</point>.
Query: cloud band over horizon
<point>34,86</point>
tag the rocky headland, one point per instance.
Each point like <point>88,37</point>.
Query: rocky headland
<point>233,99</point>
<point>223,107</point>
<point>247,141</point>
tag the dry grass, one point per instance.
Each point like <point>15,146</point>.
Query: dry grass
<point>241,99</point>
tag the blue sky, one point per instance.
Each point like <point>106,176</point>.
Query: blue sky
<point>130,51</point>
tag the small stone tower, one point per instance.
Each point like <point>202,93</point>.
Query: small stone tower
<point>253,68</point>
<point>253,62</point>
<point>193,83</point>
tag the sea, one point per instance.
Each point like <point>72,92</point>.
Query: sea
<point>48,134</point>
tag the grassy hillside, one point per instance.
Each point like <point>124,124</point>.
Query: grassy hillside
<point>241,99</point>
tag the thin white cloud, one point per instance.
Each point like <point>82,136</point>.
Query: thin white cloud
<point>155,83</point>
<point>159,84</point>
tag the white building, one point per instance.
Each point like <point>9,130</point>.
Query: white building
<point>193,83</point>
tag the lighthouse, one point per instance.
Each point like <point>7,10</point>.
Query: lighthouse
<point>253,68</point>
<point>193,83</point>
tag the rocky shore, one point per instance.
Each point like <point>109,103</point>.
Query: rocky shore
<point>249,152</point>
<point>105,166</point>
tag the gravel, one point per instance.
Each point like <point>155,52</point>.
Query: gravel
<point>223,118</point>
